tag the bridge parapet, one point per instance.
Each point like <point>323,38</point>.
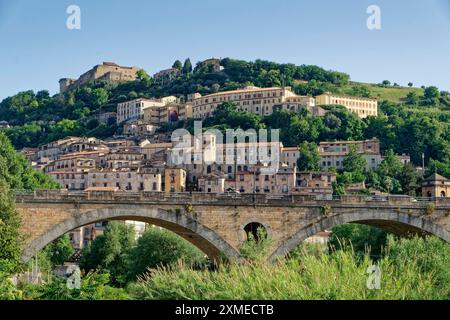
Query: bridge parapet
<point>228,199</point>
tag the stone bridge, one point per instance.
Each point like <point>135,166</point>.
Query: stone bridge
<point>218,223</point>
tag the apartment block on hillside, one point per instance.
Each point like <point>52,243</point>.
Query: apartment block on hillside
<point>363,107</point>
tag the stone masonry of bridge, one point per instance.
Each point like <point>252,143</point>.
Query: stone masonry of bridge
<point>215,222</point>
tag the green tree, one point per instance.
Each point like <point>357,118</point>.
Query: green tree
<point>409,179</point>
<point>64,128</point>
<point>431,92</point>
<point>412,98</point>
<point>362,238</point>
<point>108,252</point>
<point>99,97</point>
<point>15,173</point>
<point>161,248</point>
<point>354,162</point>
<point>10,240</point>
<point>143,76</point>
<point>60,250</point>
<point>431,96</point>
<point>271,78</point>
<point>92,124</point>
<point>187,66</point>
<point>309,157</point>
<point>391,165</point>
<point>177,65</point>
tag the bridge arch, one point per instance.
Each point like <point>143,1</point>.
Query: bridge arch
<point>397,223</point>
<point>207,240</point>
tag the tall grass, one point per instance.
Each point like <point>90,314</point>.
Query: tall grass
<point>342,274</point>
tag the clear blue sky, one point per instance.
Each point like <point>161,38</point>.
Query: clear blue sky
<point>36,48</point>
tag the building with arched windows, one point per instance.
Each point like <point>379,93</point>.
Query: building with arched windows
<point>436,186</point>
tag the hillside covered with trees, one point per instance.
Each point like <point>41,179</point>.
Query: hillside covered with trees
<point>411,120</point>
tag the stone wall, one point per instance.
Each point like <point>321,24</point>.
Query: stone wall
<point>215,223</point>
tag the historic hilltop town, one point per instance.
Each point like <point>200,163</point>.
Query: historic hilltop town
<point>142,158</point>
<point>229,155</point>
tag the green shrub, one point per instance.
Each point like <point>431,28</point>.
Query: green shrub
<point>159,247</point>
<point>255,249</point>
<point>429,209</point>
<point>94,286</point>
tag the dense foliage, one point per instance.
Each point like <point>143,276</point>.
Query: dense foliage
<point>412,121</point>
<point>406,273</point>
<point>158,247</point>
<point>363,239</point>
<point>108,252</point>
<point>117,253</point>
<point>15,173</point>
<point>59,251</point>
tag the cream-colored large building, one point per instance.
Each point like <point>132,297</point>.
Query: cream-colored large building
<point>70,180</point>
<point>363,107</point>
<point>73,164</point>
<point>108,71</point>
<point>211,184</point>
<point>261,101</point>
<point>142,179</point>
<point>333,153</point>
<point>256,180</point>
<point>134,109</point>
<point>124,158</point>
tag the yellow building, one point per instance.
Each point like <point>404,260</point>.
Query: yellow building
<point>363,107</point>
<point>134,109</point>
<point>436,186</point>
<point>262,101</point>
<point>174,180</point>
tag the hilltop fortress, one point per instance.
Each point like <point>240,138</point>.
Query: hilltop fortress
<point>108,71</point>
